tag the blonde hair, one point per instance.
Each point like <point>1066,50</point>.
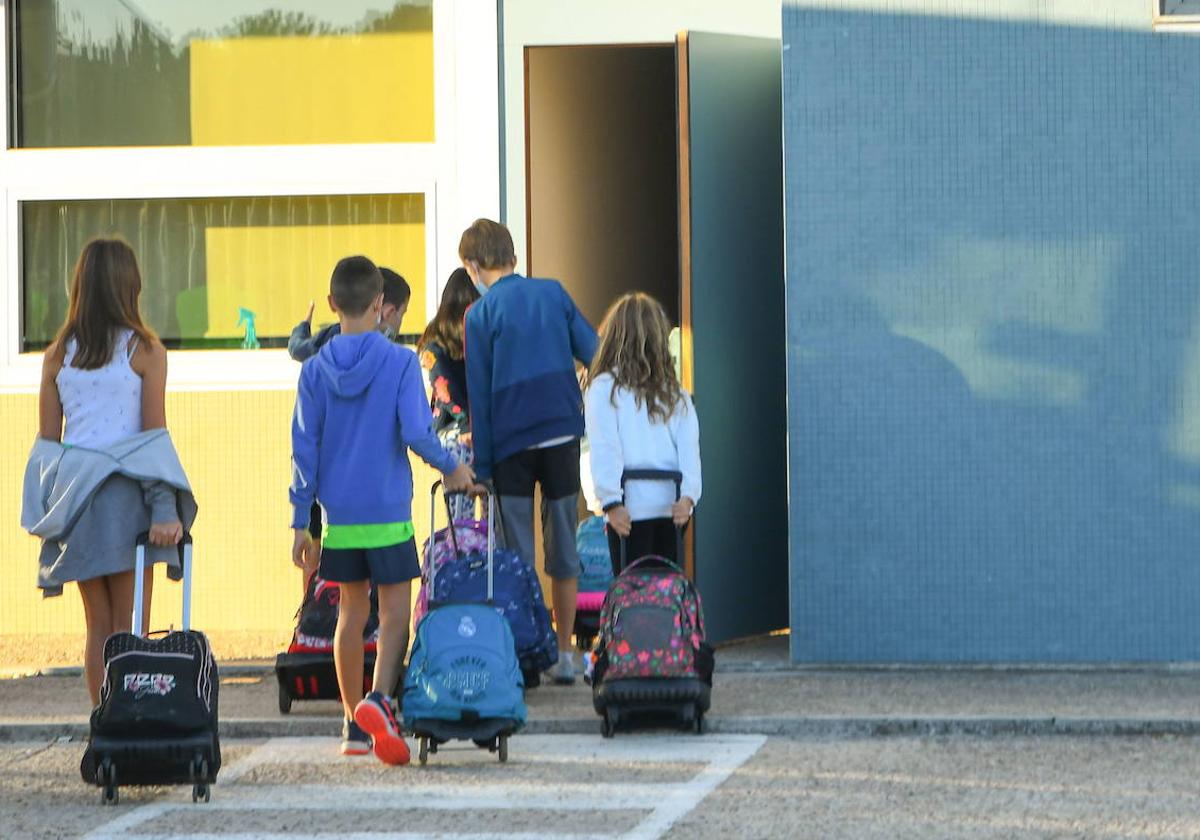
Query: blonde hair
<point>635,350</point>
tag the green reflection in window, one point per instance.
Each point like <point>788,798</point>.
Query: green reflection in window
<point>204,259</point>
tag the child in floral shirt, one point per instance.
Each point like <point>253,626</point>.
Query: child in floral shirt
<point>441,349</point>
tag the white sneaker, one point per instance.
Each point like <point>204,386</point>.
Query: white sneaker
<point>563,672</point>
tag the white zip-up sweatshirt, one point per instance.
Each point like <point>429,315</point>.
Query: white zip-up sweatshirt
<point>623,437</point>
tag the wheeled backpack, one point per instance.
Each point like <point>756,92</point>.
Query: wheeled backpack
<point>653,657</point>
<point>591,541</point>
<point>469,576</point>
<point>469,537</point>
<point>156,723</point>
<point>306,670</point>
<point>464,678</point>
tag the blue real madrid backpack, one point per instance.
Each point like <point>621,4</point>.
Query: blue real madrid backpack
<point>464,678</point>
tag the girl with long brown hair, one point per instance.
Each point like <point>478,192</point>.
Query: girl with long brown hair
<point>442,357</point>
<point>639,417</point>
<point>104,381</point>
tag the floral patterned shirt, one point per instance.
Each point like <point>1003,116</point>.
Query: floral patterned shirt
<point>448,381</point>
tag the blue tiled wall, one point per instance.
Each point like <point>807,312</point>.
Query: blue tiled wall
<point>993,291</point>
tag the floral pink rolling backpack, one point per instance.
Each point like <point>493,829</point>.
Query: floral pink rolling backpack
<point>653,657</point>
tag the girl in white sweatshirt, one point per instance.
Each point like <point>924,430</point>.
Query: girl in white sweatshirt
<point>638,417</point>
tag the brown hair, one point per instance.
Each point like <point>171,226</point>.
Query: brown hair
<point>487,243</point>
<point>354,285</point>
<point>446,328</point>
<point>104,297</point>
<point>635,350</point>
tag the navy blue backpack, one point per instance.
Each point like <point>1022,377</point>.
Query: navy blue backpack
<point>517,595</point>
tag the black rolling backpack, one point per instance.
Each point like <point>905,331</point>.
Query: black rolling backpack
<point>156,723</point>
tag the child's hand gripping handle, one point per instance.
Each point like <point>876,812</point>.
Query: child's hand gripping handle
<point>185,555</point>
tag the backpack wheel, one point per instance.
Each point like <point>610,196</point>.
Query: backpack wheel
<point>503,749</point>
<point>700,723</point>
<point>423,750</point>
<point>106,776</point>
<point>608,724</point>
<point>201,793</point>
<point>285,700</point>
<point>198,769</point>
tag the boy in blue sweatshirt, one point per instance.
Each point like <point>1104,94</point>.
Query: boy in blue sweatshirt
<point>522,340</point>
<point>360,406</point>
<point>303,345</point>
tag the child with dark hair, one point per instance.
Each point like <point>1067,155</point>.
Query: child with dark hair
<point>441,353</point>
<point>302,344</point>
<point>360,407</point>
<point>103,397</point>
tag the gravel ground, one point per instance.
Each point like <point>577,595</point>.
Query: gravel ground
<point>748,693</point>
<point>791,788</point>
<point>958,788</point>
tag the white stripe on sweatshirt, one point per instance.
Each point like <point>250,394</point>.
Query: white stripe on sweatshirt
<point>622,436</point>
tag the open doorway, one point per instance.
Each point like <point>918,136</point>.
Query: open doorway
<point>658,167</point>
<point>601,164</point>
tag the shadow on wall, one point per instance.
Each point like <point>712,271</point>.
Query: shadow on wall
<point>993,287</point>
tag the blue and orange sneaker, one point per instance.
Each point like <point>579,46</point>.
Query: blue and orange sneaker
<point>374,715</point>
<point>354,740</point>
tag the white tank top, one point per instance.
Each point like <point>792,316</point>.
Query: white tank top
<point>101,406</point>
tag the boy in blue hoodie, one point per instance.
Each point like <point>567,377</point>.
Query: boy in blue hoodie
<point>523,338</point>
<point>360,406</point>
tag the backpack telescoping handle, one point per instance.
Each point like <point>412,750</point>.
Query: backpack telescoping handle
<point>185,556</point>
<point>491,536</point>
<point>674,476</point>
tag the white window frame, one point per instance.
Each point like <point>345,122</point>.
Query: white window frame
<point>1169,23</point>
<point>458,175</point>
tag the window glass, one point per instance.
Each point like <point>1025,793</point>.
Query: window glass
<point>205,260</point>
<point>222,72</point>
<point>1181,7</point>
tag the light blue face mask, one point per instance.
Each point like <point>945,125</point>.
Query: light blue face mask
<point>480,287</point>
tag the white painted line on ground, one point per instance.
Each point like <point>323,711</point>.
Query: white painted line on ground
<point>721,756</point>
<point>446,797</point>
<point>727,758</point>
<point>377,835</point>
<point>120,826</point>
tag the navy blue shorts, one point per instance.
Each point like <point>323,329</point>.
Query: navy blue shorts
<point>390,564</point>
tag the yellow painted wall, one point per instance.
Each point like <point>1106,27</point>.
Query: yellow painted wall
<point>374,88</point>
<point>275,271</point>
<point>236,448</point>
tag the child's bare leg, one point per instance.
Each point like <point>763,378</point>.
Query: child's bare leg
<point>354,608</point>
<point>393,634</point>
<point>97,610</point>
<point>565,593</point>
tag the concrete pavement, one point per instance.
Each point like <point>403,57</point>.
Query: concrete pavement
<point>756,691</point>
<point>792,753</point>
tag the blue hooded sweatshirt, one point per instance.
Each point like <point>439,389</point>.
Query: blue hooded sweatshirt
<point>360,407</point>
